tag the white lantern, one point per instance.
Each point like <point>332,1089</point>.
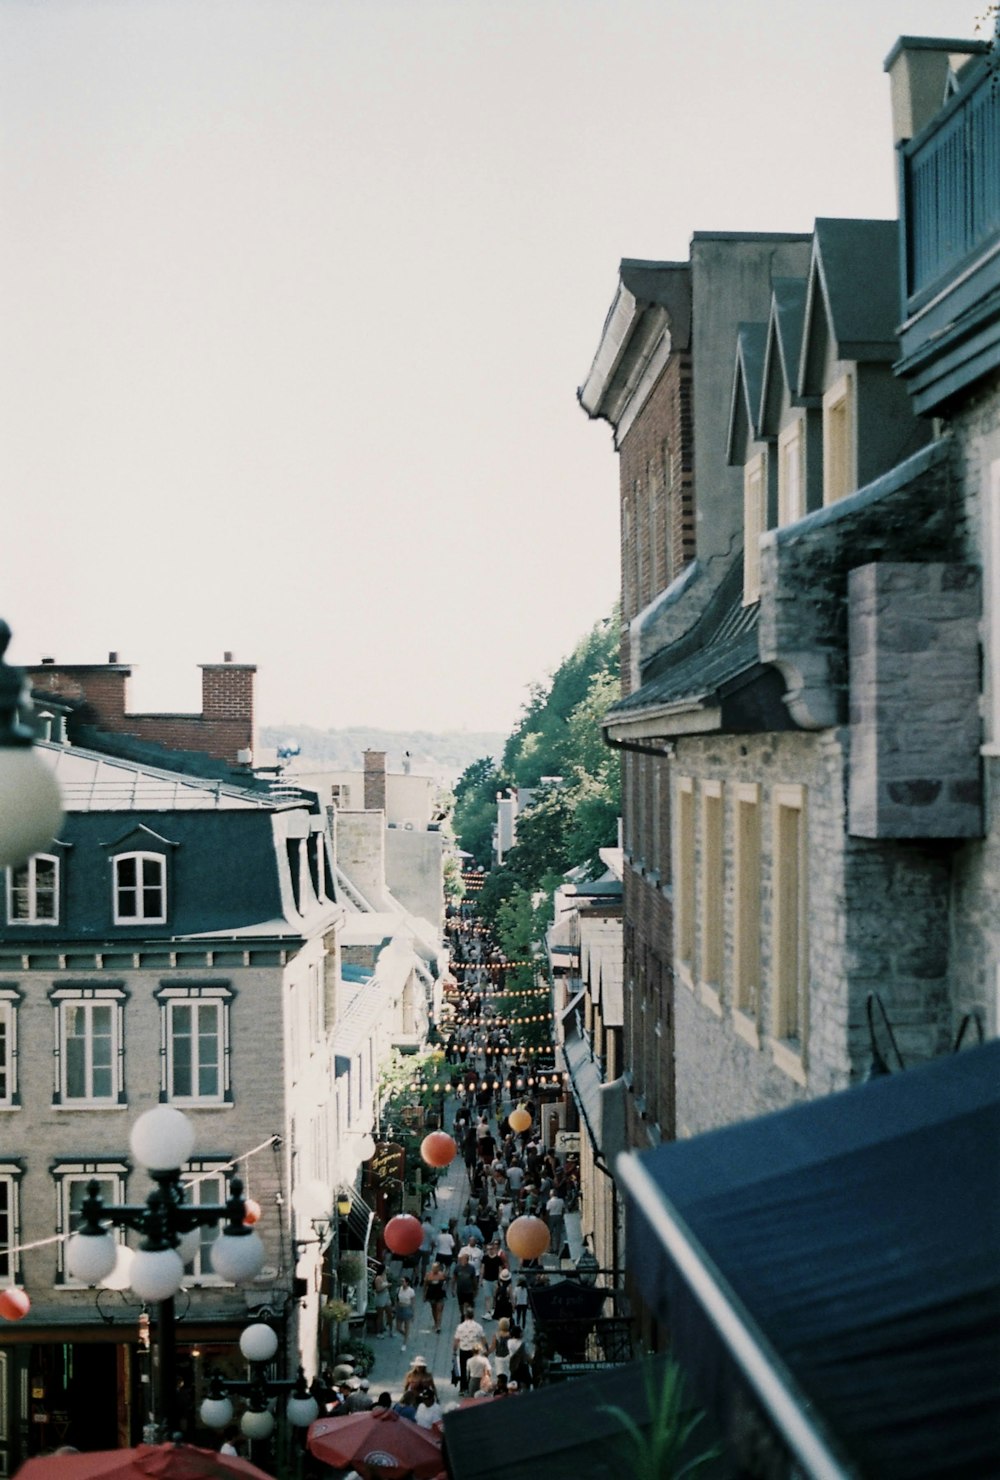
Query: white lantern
<point>216,1412</point>
<point>90,1257</point>
<point>312,1199</point>
<point>366,1147</point>
<point>162,1139</point>
<point>256,1424</point>
<point>120,1277</point>
<point>156,1273</point>
<point>302,1411</point>
<point>31,810</point>
<point>238,1257</point>
<point>189,1245</point>
<point>259,1343</point>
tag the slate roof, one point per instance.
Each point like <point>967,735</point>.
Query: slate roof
<point>90,781</point>
<point>855,270</point>
<point>720,648</point>
<point>784,345</point>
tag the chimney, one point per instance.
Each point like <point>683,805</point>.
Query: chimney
<point>374,780</point>
<point>919,68</point>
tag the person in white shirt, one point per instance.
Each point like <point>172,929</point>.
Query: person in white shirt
<point>445,1249</point>
<point>429,1411</point>
<point>555,1209</point>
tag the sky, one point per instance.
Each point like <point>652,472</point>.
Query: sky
<point>296,296</point>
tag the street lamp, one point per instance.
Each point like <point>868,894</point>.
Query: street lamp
<point>258,1345</point>
<point>30,804</point>
<point>162,1140</point>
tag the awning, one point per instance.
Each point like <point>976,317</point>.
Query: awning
<point>842,1260</point>
<point>561,1432</point>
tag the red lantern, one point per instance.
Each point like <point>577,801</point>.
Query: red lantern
<point>404,1234</point>
<point>14,1304</point>
<point>251,1210</point>
<point>519,1119</point>
<point>528,1237</point>
<point>438,1149</point>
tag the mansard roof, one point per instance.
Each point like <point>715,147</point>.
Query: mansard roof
<point>852,297</point>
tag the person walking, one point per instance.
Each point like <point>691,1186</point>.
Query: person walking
<point>468,1335</point>
<point>405,1297</point>
<point>436,1292</point>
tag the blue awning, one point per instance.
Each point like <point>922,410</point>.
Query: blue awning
<point>840,1261</point>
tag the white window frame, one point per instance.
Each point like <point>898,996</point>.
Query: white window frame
<point>140,859</point>
<point>11,1173</point>
<point>754,522</point>
<point>684,882</point>
<point>216,996</point>
<point>792,472</point>
<point>746,911</point>
<point>89,997</point>
<point>10,999</point>
<point>840,445</point>
<point>206,1181</point>
<point>74,1175</point>
<point>790,931</point>
<point>712,912</point>
<point>33,916</point>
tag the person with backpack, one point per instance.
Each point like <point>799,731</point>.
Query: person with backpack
<point>500,1348</point>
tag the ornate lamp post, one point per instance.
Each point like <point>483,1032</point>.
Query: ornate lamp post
<point>162,1140</point>
<point>258,1345</point>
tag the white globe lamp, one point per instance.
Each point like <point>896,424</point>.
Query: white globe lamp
<point>302,1411</point>
<point>162,1139</point>
<point>259,1343</point>
<point>91,1257</point>
<point>238,1256</point>
<point>120,1277</point>
<point>216,1412</point>
<point>31,811</point>
<point>156,1273</point>
<point>257,1423</point>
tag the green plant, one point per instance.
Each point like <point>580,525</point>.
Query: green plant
<point>336,1310</point>
<point>657,1451</point>
<point>362,1356</point>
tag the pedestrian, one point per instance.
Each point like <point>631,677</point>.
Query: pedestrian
<point>521,1302</point>
<point>445,1248</point>
<point>465,1284</point>
<point>478,1372</point>
<point>500,1348</point>
<point>555,1210</point>
<point>494,1260</point>
<point>468,1334</point>
<point>382,1302</point>
<point>428,1245</point>
<point>502,1303</point>
<point>429,1410</point>
<point>436,1292</point>
<point>405,1297</point>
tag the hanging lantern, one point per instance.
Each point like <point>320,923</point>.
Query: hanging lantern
<point>14,1304</point>
<point>519,1119</point>
<point>438,1149</point>
<point>403,1234</point>
<point>528,1237</point>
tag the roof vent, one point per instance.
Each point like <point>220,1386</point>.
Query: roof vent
<point>227,657</point>
<point>112,657</point>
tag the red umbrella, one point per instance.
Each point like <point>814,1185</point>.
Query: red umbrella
<point>380,1444</point>
<point>146,1462</point>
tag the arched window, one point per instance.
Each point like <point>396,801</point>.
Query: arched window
<point>140,889</point>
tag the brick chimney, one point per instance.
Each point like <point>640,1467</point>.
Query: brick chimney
<point>101,687</point>
<point>374,780</point>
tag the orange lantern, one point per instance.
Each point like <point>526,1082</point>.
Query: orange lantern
<point>14,1304</point>
<point>404,1234</point>
<point>519,1119</point>
<point>438,1149</point>
<point>251,1210</point>
<point>528,1237</point>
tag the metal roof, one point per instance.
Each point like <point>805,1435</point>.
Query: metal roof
<point>91,782</point>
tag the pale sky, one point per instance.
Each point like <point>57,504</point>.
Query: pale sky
<point>296,295</point>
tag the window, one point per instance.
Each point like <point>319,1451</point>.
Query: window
<point>194,1042</point>
<point>72,1179</point>
<point>684,888</point>
<point>754,524</point>
<point>140,889</point>
<point>9,999</point>
<point>839,460</point>
<point>792,473</point>
<point>746,922</point>
<point>89,1046</point>
<point>33,891</point>
<point>712,863</point>
<point>207,1186</point>
<point>790,943</point>
<point>340,795</point>
<point>10,1222</point>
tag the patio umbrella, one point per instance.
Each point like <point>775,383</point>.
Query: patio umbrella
<point>380,1444</point>
<point>146,1462</point>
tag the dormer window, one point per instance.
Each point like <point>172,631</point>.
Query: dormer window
<point>840,475</point>
<point>33,892</point>
<point>792,472</point>
<point>140,889</point>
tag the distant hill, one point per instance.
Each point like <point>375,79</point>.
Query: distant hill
<point>444,756</point>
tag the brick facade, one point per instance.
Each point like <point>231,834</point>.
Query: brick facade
<point>98,693</point>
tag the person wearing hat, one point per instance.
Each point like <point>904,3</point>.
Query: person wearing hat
<point>359,1399</point>
<point>494,1261</point>
<point>503,1305</point>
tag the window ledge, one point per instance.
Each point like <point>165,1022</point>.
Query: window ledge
<point>104,1106</point>
<point>788,1060</point>
<point>745,1027</point>
<point>710,997</point>
<point>200,1104</point>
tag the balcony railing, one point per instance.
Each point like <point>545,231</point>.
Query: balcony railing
<point>951,188</point>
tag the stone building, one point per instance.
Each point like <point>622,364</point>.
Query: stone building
<point>810,710</point>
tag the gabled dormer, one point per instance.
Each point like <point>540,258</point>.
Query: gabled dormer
<point>141,885</point>
<point>790,421</point>
<point>747,449</point>
<point>848,347</point>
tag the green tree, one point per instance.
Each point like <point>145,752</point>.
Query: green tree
<point>476,807</point>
